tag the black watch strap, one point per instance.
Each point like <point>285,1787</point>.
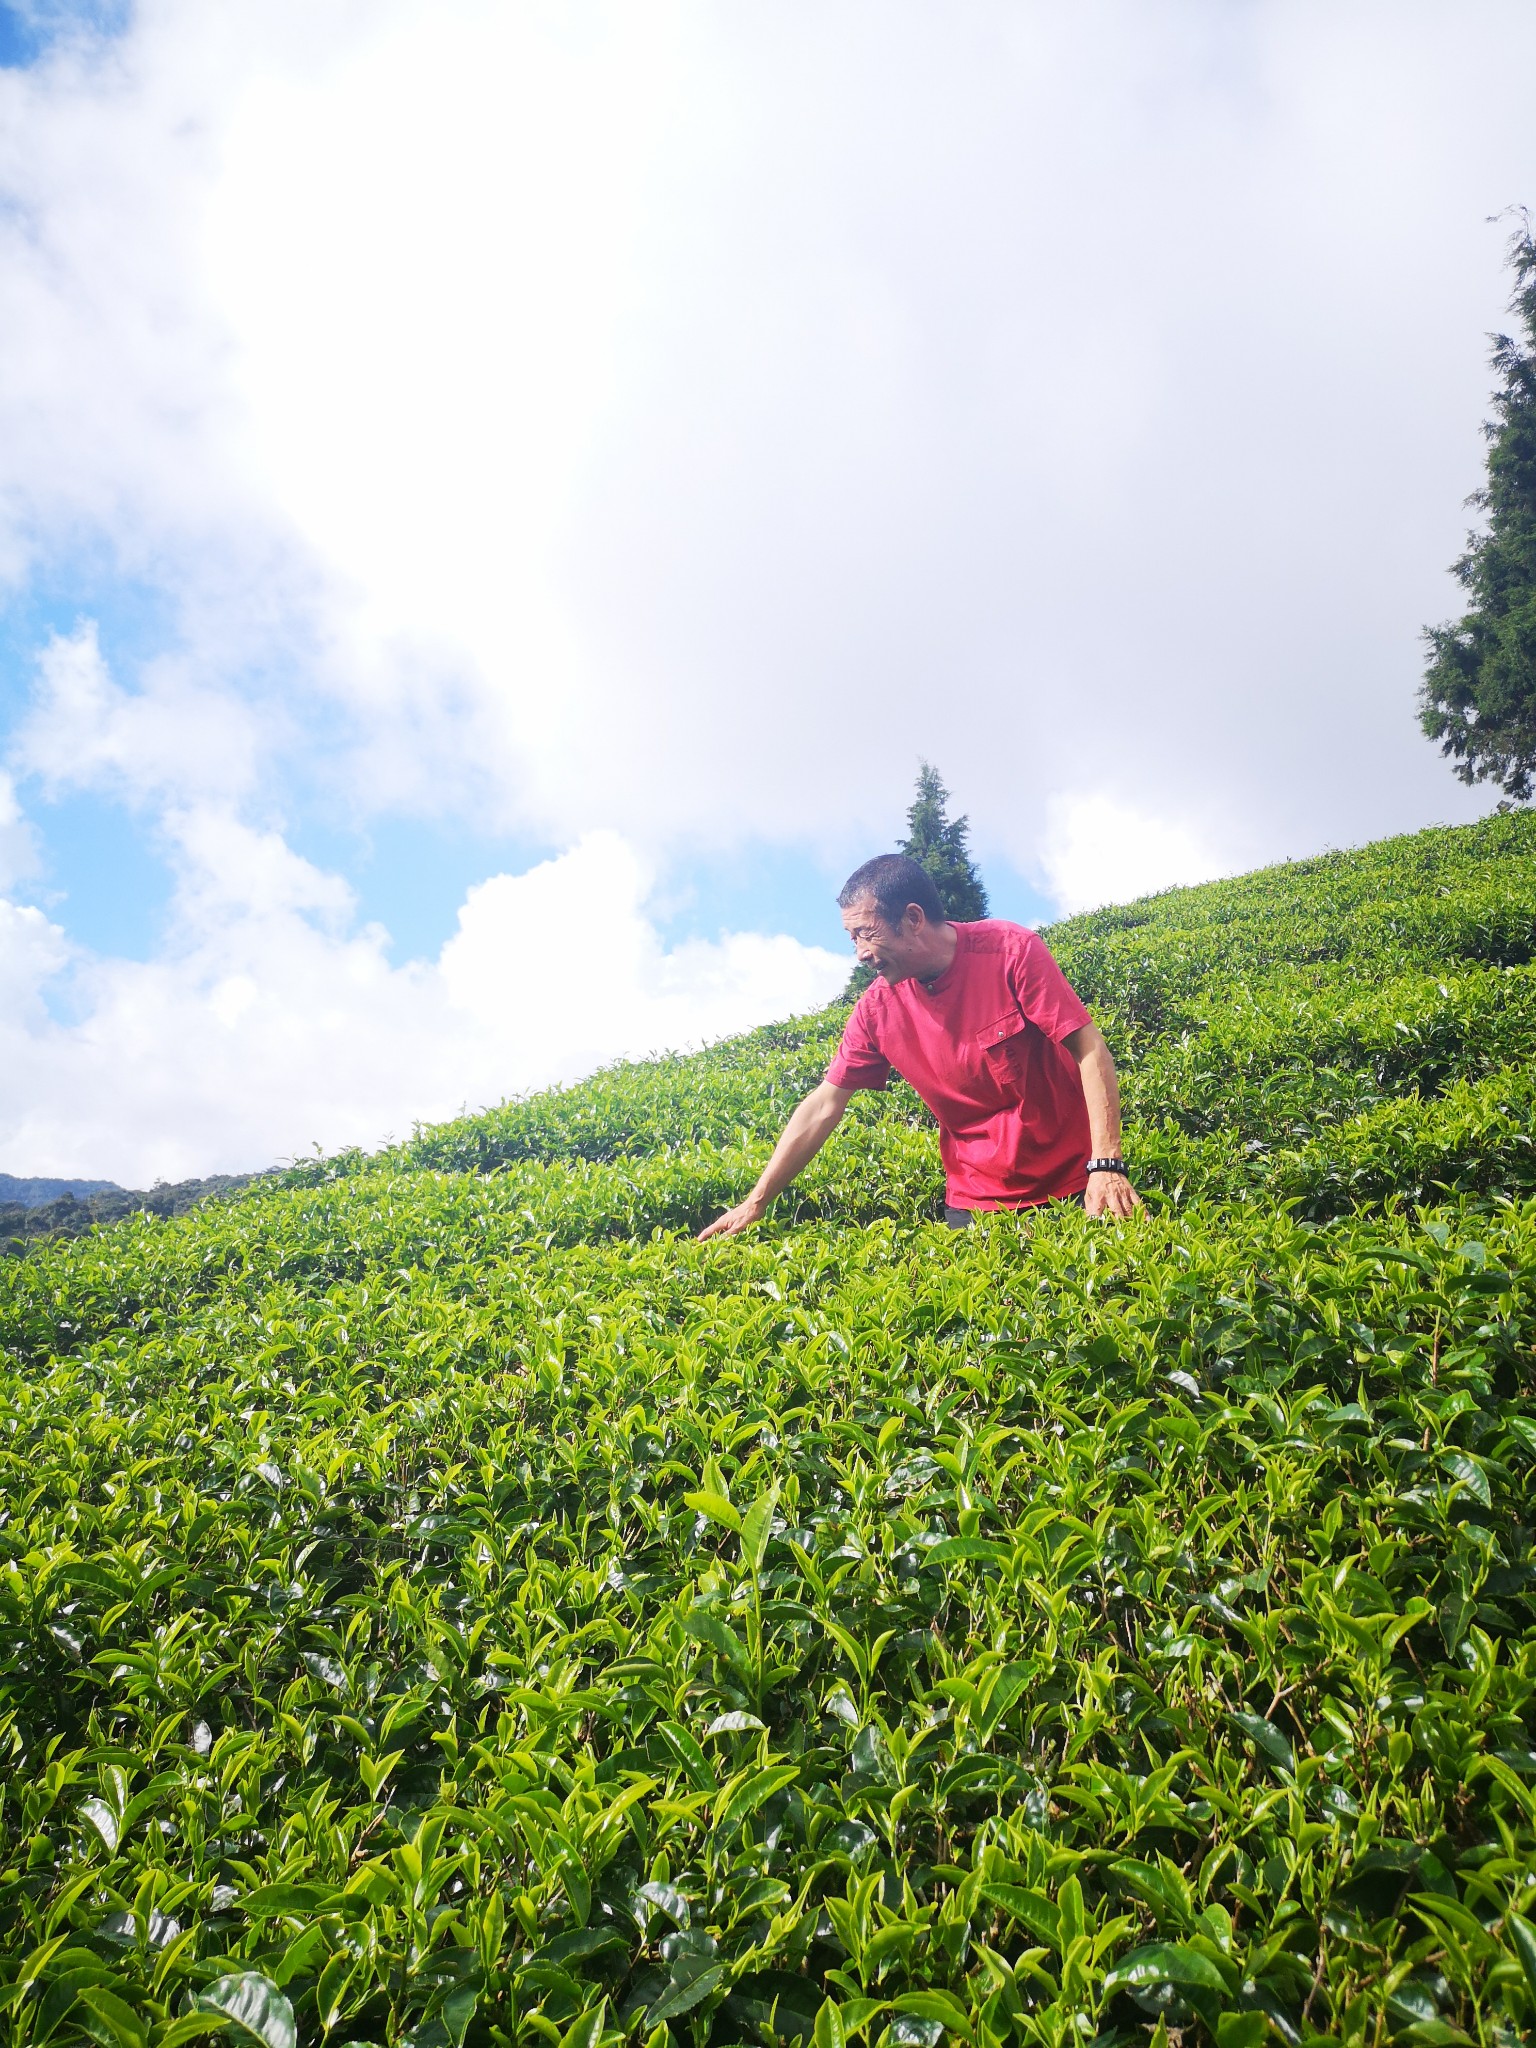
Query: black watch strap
<point>1107,1166</point>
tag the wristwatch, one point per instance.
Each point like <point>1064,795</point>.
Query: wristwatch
<point>1108,1166</point>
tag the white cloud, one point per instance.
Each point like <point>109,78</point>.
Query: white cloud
<point>18,851</point>
<point>229,869</point>
<point>32,952</point>
<point>677,421</point>
<point>1099,850</point>
<point>85,732</point>
<point>261,1031</point>
<point>269,1019</point>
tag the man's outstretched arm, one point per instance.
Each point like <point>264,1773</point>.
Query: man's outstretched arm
<point>1109,1194</point>
<point>813,1122</point>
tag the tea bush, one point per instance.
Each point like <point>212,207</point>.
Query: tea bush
<point>440,1603</point>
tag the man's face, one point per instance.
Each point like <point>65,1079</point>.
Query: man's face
<point>891,950</point>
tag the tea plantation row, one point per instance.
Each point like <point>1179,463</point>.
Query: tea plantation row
<point>441,1603</point>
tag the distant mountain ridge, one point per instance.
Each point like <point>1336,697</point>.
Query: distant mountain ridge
<point>33,1193</point>
<point>83,1204</point>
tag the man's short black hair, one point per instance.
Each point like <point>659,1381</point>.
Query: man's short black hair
<point>894,882</point>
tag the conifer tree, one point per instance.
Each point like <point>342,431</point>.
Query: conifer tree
<point>941,845</point>
<point>1479,693</point>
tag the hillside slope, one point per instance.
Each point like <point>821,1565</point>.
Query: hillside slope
<point>440,1602</point>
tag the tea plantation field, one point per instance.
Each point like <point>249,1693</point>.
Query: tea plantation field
<point>441,1603</point>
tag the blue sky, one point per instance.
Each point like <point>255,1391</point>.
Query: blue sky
<point>28,33</point>
<point>494,504</point>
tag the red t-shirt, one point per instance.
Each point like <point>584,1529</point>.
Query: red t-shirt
<point>981,1044</point>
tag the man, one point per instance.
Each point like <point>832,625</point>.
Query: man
<point>985,1026</point>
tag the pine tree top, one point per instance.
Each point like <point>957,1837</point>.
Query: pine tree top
<point>941,845</point>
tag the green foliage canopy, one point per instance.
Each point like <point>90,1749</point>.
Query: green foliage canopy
<point>1479,692</point>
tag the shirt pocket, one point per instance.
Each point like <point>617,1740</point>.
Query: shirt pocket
<point>1001,1045</point>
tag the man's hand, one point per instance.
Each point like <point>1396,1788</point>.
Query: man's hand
<point>1110,1194</point>
<point>742,1217</point>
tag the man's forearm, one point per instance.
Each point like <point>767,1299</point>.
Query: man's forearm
<point>1101,1091</point>
<point>808,1129</point>
<point>1107,1194</point>
<point>811,1123</point>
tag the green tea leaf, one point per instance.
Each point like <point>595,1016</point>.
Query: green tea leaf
<point>679,1998</point>
<point>1468,1472</point>
<point>735,1723</point>
<point>715,1508</point>
<point>1241,2029</point>
<point>717,1635</point>
<point>746,1794</point>
<point>271,1900</point>
<point>983,1548</point>
<point>688,1754</point>
<point>1522,1937</point>
<point>586,2031</point>
<point>110,2019</point>
<point>327,1669</point>
<point>912,2030</point>
<point>1165,1962</point>
<point>458,2009</point>
<point>1267,1737</point>
<point>102,1819</point>
<point>938,2008</point>
<point>189,2026</point>
<point>581,1943</point>
<point>1165,1890</point>
<point>756,1526</point>
<point>828,2031</point>
<point>253,2005</point>
<point>670,1900</point>
<point>1032,1909</point>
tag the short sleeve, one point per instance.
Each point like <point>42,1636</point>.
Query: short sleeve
<point>859,1062</point>
<point>1044,993</point>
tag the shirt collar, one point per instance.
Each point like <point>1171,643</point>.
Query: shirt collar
<point>941,982</point>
